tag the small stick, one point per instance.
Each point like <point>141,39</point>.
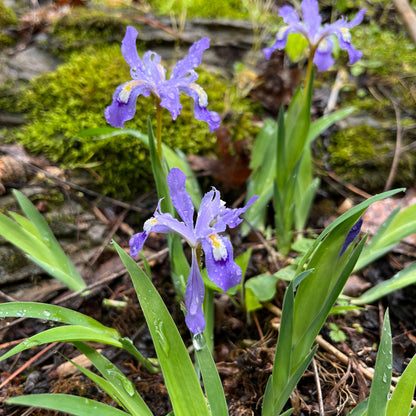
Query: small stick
<point>27,364</point>
<point>318,388</point>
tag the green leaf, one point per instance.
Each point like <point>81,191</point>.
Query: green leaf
<point>62,334</point>
<point>180,378</point>
<point>319,126</point>
<point>399,225</point>
<point>261,288</point>
<point>34,237</point>
<point>360,409</point>
<point>380,387</point>
<point>360,208</point>
<point>74,405</point>
<point>119,387</point>
<point>212,381</point>
<point>401,399</point>
<point>54,313</point>
<point>404,278</point>
<point>296,46</point>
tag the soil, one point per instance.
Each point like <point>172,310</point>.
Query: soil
<point>244,345</point>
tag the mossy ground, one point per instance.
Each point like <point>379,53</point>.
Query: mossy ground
<point>61,104</point>
<point>363,155</point>
<point>7,18</point>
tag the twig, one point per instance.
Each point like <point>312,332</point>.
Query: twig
<point>350,187</point>
<point>72,185</point>
<point>408,15</point>
<point>27,364</point>
<point>6,297</point>
<point>107,279</point>
<point>397,149</point>
<point>318,388</point>
<point>369,375</point>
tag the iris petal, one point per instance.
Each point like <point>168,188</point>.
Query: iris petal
<point>194,297</point>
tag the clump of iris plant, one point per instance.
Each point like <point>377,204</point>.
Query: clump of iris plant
<point>149,77</point>
<point>318,36</point>
<point>202,235</point>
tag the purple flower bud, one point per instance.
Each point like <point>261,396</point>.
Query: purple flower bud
<point>355,230</point>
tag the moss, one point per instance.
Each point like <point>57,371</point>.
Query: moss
<point>61,104</point>
<point>85,27</point>
<point>201,8</point>
<point>363,155</point>
<point>7,16</point>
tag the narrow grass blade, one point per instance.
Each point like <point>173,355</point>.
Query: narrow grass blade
<point>404,278</point>
<point>180,377</point>
<point>380,387</point>
<point>359,209</point>
<point>63,334</point>
<point>122,388</point>
<point>54,313</point>
<point>360,409</point>
<point>49,239</point>
<point>397,226</point>
<point>401,399</point>
<point>212,382</point>
<point>320,125</point>
<point>74,405</point>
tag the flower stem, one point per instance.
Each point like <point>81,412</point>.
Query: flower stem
<point>312,51</point>
<point>159,128</point>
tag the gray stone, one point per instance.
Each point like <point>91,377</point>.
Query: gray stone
<point>31,62</point>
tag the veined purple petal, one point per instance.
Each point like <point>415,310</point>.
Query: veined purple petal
<point>311,16</point>
<point>323,55</point>
<point>170,99</point>
<point>201,113</point>
<point>154,70</point>
<point>289,15</point>
<point>129,50</point>
<point>358,18</point>
<point>179,196</point>
<point>194,297</point>
<point>192,60</point>
<point>231,216</point>
<point>355,230</point>
<point>123,106</point>
<point>282,36</point>
<point>208,212</point>
<point>136,243</point>
<point>221,268</point>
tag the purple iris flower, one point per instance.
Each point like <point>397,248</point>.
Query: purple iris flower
<point>149,77</point>
<point>212,219</point>
<point>317,35</point>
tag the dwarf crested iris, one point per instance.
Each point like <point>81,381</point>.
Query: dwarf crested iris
<point>212,219</point>
<point>149,77</point>
<point>317,36</point>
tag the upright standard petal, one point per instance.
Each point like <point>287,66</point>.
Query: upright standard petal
<point>129,50</point>
<point>311,16</point>
<point>192,60</point>
<point>194,297</point>
<point>221,268</point>
<point>179,196</point>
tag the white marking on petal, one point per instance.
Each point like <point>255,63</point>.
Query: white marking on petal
<point>124,94</point>
<point>323,45</point>
<point>147,226</point>
<point>345,35</point>
<point>281,33</point>
<point>219,250</point>
<point>202,95</point>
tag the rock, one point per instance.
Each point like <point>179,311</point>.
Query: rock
<point>29,63</point>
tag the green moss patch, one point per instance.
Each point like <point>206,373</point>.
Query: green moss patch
<point>61,104</point>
